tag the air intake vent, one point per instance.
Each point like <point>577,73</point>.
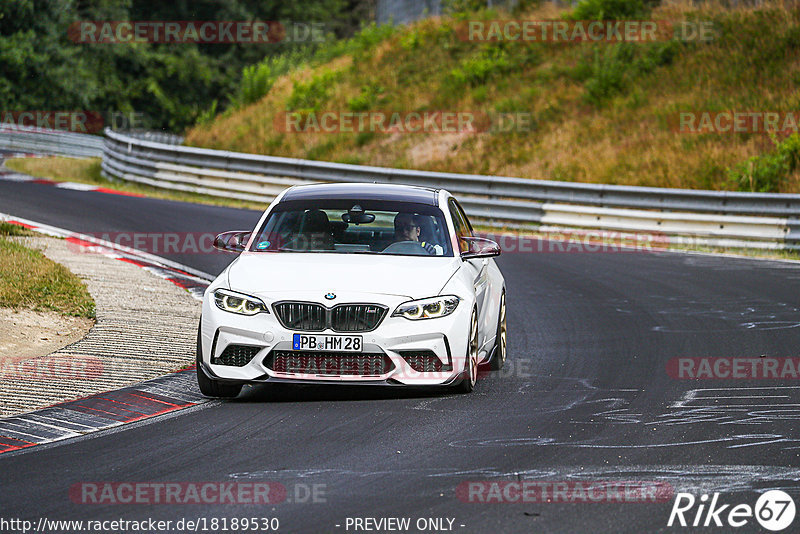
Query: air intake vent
<point>424,361</point>
<point>236,355</point>
<point>329,363</point>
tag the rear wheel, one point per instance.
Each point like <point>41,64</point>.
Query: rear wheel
<point>208,386</point>
<point>470,375</point>
<point>499,358</point>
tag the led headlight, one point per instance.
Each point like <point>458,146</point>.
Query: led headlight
<point>427,308</point>
<point>238,303</point>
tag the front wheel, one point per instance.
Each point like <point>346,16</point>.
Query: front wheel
<point>208,386</point>
<point>470,375</point>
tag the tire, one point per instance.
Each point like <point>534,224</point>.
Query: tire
<point>208,386</point>
<point>470,375</point>
<point>499,358</point>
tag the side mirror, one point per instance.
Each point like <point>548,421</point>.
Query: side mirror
<point>232,241</point>
<point>479,247</point>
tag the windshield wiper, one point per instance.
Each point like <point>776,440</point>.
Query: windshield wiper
<point>313,251</point>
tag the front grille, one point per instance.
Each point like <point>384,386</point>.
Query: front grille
<point>329,363</point>
<point>356,317</point>
<point>236,355</point>
<point>424,361</point>
<point>301,316</point>
<point>311,317</point>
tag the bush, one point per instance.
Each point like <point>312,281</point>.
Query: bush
<point>256,82</point>
<point>607,72</point>
<point>609,69</point>
<point>371,35</point>
<point>208,116</point>
<point>609,10</point>
<point>767,173</point>
<point>312,94</point>
<point>453,7</point>
<point>656,55</point>
<point>369,97</point>
<point>477,69</point>
<point>258,79</point>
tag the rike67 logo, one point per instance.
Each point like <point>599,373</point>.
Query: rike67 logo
<point>774,510</point>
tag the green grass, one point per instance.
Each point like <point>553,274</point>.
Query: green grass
<point>15,230</point>
<point>29,280</point>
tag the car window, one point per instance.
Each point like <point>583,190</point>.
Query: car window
<point>354,226</point>
<point>462,227</point>
<point>464,217</point>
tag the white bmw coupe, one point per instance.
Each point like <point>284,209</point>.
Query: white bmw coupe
<point>355,284</point>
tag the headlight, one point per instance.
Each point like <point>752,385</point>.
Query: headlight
<point>427,308</point>
<point>238,303</point>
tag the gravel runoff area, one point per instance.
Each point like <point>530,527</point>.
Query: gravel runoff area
<point>146,326</point>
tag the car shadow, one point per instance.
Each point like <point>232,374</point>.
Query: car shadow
<point>277,393</point>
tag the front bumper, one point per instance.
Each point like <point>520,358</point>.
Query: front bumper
<point>395,337</point>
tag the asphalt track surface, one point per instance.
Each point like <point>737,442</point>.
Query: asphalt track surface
<point>585,397</point>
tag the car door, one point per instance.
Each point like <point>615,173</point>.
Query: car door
<point>477,267</point>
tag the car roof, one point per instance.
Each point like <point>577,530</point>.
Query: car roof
<point>364,191</point>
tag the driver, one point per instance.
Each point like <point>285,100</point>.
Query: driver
<point>407,228</point>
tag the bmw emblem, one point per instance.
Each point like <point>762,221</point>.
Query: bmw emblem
<point>330,296</point>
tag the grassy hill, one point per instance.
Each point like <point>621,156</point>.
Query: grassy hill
<point>599,112</point>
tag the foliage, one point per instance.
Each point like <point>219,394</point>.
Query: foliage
<point>610,10</point>
<point>309,96</point>
<point>598,112</point>
<point>608,70</point>
<point>170,85</point>
<point>476,69</point>
<point>369,97</point>
<point>766,173</point>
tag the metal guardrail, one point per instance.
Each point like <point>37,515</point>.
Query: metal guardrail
<point>759,220</point>
<point>44,141</point>
<point>156,137</point>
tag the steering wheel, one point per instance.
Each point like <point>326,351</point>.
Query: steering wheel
<point>406,247</point>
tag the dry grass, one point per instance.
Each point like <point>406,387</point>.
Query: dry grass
<point>623,138</point>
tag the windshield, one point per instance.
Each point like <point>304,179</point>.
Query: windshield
<point>354,227</point>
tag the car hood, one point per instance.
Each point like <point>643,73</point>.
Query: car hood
<point>282,273</point>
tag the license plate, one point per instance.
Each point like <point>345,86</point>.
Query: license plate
<point>327,343</point>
